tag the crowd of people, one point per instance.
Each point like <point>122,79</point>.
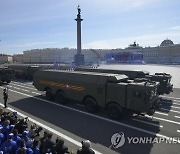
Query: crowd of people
<point>17,137</point>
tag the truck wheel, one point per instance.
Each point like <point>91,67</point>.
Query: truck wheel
<point>115,111</point>
<point>49,94</point>
<point>91,105</point>
<point>60,98</point>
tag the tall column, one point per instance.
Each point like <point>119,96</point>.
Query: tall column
<point>78,19</point>
<point>79,58</point>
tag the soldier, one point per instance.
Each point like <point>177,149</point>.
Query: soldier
<point>9,146</point>
<point>5,94</point>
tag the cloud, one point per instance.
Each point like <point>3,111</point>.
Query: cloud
<point>143,40</point>
<point>20,46</point>
<point>112,6</point>
<point>175,28</point>
<point>30,44</point>
<point>33,11</point>
<point>115,3</point>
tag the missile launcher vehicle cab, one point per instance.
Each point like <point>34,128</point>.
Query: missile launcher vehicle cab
<point>165,86</point>
<point>6,74</point>
<point>24,71</point>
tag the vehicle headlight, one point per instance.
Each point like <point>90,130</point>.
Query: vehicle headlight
<point>152,94</point>
<point>155,91</point>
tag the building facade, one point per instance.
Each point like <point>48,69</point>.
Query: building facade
<point>64,55</point>
<point>166,53</point>
<point>5,59</point>
<point>18,58</point>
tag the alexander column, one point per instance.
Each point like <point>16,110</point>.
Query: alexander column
<point>79,58</point>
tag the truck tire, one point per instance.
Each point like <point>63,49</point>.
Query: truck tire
<point>91,105</point>
<point>49,95</point>
<point>8,81</point>
<point>17,76</point>
<point>60,98</point>
<point>114,111</point>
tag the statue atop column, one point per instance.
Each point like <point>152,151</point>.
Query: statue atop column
<point>79,12</point>
<point>79,58</point>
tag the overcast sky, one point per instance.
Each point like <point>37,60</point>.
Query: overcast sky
<point>31,24</point>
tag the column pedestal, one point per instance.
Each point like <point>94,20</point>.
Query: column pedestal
<point>79,59</point>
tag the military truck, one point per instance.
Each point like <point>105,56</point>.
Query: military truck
<point>165,86</point>
<point>113,93</point>
<point>24,71</point>
<point>6,74</point>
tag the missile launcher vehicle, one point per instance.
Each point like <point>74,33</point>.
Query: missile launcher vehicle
<point>114,93</point>
<point>165,86</point>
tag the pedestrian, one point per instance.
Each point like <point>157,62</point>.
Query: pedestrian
<point>86,148</point>
<point>48,144</point>
<point>42,140</point>
<point>60,148</point>
<point>5,94</point>
<point>35,147</point>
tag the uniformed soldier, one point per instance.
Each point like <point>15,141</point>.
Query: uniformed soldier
<point>5,94</point>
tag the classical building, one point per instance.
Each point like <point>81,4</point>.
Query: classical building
<point>49,55</point>
<point>18,58</point>
<point>64,55</point>
<point>166,53</point>
<point>5,59</point>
